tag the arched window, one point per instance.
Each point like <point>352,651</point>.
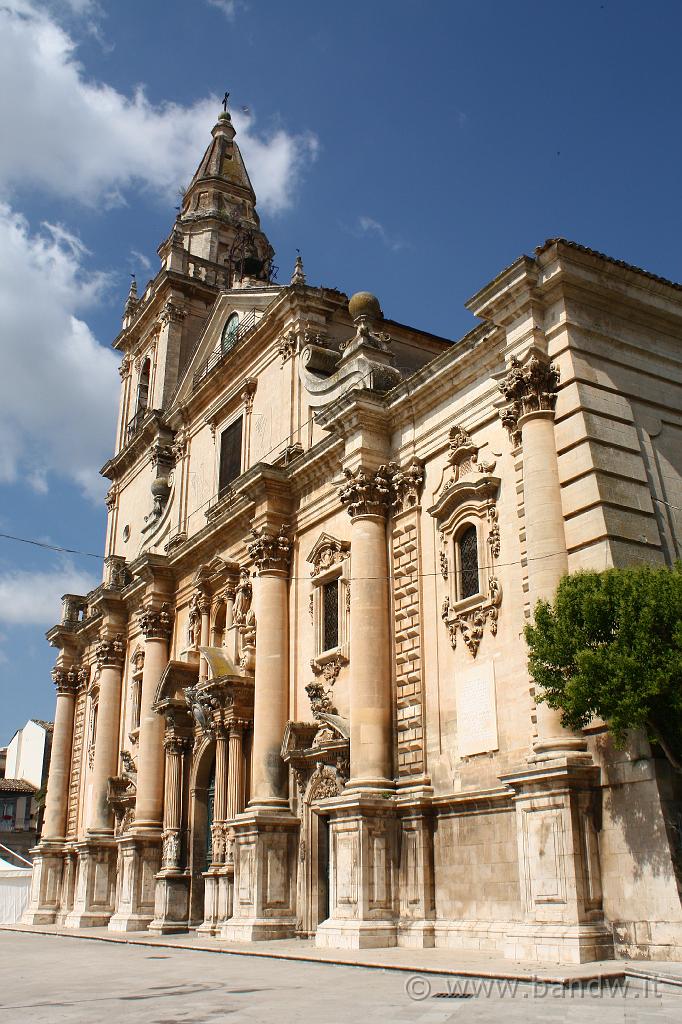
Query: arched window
<point>229,335</point>
<point>143,386</point>
<point>467,563</point>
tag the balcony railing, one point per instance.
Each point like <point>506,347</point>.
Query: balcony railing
<point>134,424</point>
<point>247,324</point>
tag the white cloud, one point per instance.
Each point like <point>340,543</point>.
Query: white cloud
<point>75,137</point>
<point>138,258</point>
<point>228,7</point>
<point>29,598</point>
<point>370,226</point>
<point>59,387</point>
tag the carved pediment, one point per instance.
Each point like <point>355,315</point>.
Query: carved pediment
<point>466,476</point>
<point>326,552</point>
<point>176,676</point>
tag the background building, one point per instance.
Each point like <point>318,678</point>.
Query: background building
<point>298,703</point>
<point>22,783</point>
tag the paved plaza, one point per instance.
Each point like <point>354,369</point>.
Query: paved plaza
<point>61,980</point>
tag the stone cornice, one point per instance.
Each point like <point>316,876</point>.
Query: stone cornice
<point>153,426</point>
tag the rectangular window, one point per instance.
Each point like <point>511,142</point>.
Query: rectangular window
<point>330,615</point>
<point>230,456</point>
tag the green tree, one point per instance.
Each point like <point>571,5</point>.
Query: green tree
<point>610,645</point>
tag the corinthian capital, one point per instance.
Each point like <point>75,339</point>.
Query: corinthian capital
<point>157,623</point>
<point>63,681</point>
<point>529,388</point>
<point>367,494</point>
<point>270,551</point>
<point>110,651</point>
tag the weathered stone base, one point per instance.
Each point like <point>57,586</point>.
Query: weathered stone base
<point>218,899</point>
<point>565,944</point>
<point>264,900</point>
<point>467,934</point>
<point>93,902</point>
<point>45,887</point>
<point>335,934</point>
<point>139,863</point>
<point>416,934</point>
<point>363,868</point>
<point>648,940</point>
<point>171,904</point>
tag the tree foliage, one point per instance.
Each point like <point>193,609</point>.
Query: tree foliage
<point>610,645</point>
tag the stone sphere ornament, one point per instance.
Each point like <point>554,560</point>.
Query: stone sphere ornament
<point>365,304</point>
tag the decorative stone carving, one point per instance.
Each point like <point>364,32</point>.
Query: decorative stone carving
<point>493,530</point>
<point>179,446</point>
<point>157,623</point>
<point>367,493</point>
<point>471,622</point>
<point>328,551</point>
<point>161,454</point>
<point>243,597</point>
<point>63,681</point>
<point>407,485</point>
<point>286,346</point>
<point>110,652</point>
<point>271,552</point>
<point>129,766</point>
<point>172,314</point>
<point>193,623</point>
<point>111,497</point>
<point>248,392</point>
<point>528,388</point>
<point>124,366</point>
<point>171,849</point>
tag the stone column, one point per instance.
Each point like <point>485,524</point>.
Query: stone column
<point>57,800</point>
<point>271,553</point>
<point>230,594</point>
<point>110,654</point>
<point>48,882</point>
<point>171,900</point>
<point>530,417</point>
<point>265,835</point>
<point>367,498</point>
<point>235,772</point>
<point>205,641</point>
<point>555,793</point>
<point>220,801</point>
<point>156,625</point>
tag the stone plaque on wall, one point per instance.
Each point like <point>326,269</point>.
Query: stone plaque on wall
<point>476,711</point>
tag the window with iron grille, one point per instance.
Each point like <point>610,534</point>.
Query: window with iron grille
<point>230,456</point>
<point>330,615</point>
<point>468,563</point>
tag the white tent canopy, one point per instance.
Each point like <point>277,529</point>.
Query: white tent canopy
<point>15,886</point>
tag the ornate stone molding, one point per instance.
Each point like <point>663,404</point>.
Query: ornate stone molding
<point>162,454</point>
<point>248,392</point>
<point>118,575</point>
<point>111,497</point>
<point>110,652</point>
<point>157,623</point>
<point>527,389</point>
<point>171,314</point>
<point>125,366</point>
<point>287,345</point>
<point>327,552</point>
<point>179,445</point>
<point>171,848</point>
<point>471,623</point>
<point>64,680</point>
<point>407,485</point>
<point>367,493</point>
<point>271,552</point>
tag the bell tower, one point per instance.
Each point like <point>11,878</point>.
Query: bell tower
<point>218,218</point>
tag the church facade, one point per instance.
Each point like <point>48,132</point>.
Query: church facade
<point>298,703</point>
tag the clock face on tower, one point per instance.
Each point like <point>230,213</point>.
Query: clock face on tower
<point>229,335</point>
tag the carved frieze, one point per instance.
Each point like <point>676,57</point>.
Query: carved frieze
<point>270,551</point>
<point>528,388</point>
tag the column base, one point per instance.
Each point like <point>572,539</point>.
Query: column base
<point>264,895</point>
<point>94,896</point>
<point>139,860</point>
<point>416,934</point>
<point>565,944</point>
<point>363,868</point>
<point>46,883</point>
<point>338,934</point>
<point>171,904</point>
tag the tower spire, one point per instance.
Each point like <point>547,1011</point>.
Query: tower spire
<point>298,276</point>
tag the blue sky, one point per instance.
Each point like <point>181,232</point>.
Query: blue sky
<point>410,147</point>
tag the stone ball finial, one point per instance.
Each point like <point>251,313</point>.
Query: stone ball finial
<point>365,304</point>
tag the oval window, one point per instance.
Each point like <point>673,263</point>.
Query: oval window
<point>229,335</point>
